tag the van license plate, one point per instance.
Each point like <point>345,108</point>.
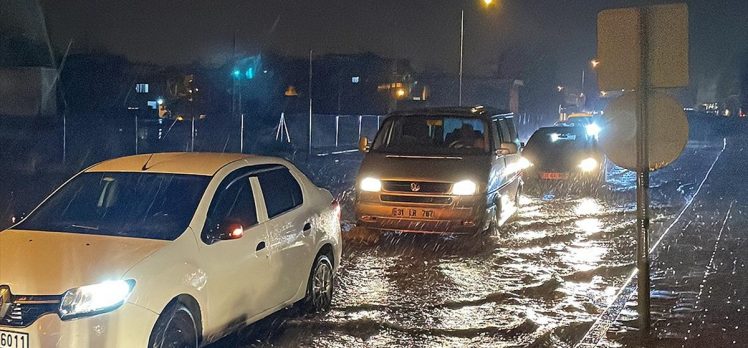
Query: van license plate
<point>413,213</point>
<point>9,339</point>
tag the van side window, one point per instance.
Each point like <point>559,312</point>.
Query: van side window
<point>281,191</point>
<point>233,202</point>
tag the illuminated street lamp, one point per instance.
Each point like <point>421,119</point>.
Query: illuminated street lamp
<point>486,4</point>
<point>594,63</point>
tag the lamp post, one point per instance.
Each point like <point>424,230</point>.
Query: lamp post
<point>486,3</point>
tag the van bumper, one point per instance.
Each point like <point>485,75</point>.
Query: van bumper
<point>466,215</point>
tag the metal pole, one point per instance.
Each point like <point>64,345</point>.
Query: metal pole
<point>337,127</point>
<point>359,127</point>
<point>241,135</point>
<point>462,37</point>
<point>136,134</point>
<point>378,122</point>
<point>642,184</point>
<point>192,136</point>
<point>310,101</point>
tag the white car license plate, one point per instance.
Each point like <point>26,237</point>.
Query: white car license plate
<point>413,213</point>
<point>10,339</point>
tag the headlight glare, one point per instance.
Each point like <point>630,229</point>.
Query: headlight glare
<point>588,164</point>
<point>464,188</point>
<point>95,299</point>
<point>371,185</point>
<point>593,129</point>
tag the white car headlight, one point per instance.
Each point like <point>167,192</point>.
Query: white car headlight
<point>464,188</point>
<point>95,299</point>
<point>588,164</point>
<point>371,185</point>
<point>524,163</point>
<point>593,129</point>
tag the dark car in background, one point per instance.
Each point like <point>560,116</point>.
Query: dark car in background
<point>563,154</point>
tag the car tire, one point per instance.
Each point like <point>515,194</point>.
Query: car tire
<point>320,287</point>
<point>175,328</point>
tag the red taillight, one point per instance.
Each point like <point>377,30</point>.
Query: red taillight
<point>336,208</point>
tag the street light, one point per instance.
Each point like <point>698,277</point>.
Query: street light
<point>486,4</point>
<point>594,63</point>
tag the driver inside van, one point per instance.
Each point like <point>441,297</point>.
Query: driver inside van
<point>466,137</point>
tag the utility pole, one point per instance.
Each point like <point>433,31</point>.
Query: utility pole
<point>310,102</point>
<point>462,39</point>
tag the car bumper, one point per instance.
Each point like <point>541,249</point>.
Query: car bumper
<point>128,326</point>
<point>465,215</point>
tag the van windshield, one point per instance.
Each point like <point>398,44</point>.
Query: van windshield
<point>432,135</point>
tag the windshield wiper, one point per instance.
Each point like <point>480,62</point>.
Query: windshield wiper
<point>93,228</point>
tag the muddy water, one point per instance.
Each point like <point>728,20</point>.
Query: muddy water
<point>543,282</point>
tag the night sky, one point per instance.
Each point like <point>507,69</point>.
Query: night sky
<point>427,32</point>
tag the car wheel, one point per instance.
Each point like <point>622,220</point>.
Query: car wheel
<point>175,328</point>
<point>320,287</point>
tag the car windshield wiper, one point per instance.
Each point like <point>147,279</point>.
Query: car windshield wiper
<point>84,227</point>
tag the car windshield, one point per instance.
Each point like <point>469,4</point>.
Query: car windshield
<point>432,135</point>
<point>139,205</point>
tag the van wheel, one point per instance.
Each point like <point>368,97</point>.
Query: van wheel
<point>320,287</point>
<point>175,328</point>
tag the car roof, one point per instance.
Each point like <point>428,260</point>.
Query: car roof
<point>195,163</point>
<point>477,111</point>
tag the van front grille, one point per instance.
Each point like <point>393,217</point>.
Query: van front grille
<point>416,186</point>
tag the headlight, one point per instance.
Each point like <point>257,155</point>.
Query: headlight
<point>592,129</point>
<point>371,185</point>
<point>524,163</point>
<point>588,164</point>
<point>464,188</point>
<point>95,299</point>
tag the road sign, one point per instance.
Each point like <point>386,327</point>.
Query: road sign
<point>667,130</point>
<point>619,47</point>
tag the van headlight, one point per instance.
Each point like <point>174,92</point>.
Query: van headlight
<point>588,164</point>
<point>464,188</point>
<point>371,185</point>
<point>593,129</point>
<point>95,299</point>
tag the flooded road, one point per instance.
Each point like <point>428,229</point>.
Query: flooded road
<point>543,282</point>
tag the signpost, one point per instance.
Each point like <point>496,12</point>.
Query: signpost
<point>641,50</point>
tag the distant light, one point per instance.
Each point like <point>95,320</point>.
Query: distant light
<point>400,92</point>
<point>250,73</point>
<point>487,2</point>
<point>554,137</point>
<point>236,74</point>
<point>355,79</point>
<point>560,88</point>
<point>595,63</point>
<point>160,101</point>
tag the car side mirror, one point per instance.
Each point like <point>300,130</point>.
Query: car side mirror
<point>363,144</point>
<point>227,230</point>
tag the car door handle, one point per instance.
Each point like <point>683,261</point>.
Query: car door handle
<point>260,246</point>
<point>307,227</point>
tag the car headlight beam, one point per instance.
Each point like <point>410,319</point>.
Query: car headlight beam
<point>464,188</point>
<point>95,299</point>
<point>371,185</point>
<point>588,164</point>
<point>593,129</point>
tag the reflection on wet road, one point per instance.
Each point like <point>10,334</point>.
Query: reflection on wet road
<point>543,282</point>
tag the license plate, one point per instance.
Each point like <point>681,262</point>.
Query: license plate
<point>553,176</point>
<point>413,213</point>
<point>9,339</point>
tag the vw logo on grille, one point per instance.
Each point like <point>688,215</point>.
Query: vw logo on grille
<point>415,187</point>
<point>4,301</point>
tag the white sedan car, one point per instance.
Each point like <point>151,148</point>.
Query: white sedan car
<point>167,250</point>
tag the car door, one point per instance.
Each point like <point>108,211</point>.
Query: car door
<point>290,231</point>
<point>238,270</point>
<point>496,179</point>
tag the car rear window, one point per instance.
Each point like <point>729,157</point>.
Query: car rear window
<point>281,191</point>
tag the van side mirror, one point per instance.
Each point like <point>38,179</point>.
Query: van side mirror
<point>363,144</point>
<point>508,148</point>
<point>226,230</point>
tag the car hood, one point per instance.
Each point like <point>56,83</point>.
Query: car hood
<point>50,263</point>
<point>426,168</point>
